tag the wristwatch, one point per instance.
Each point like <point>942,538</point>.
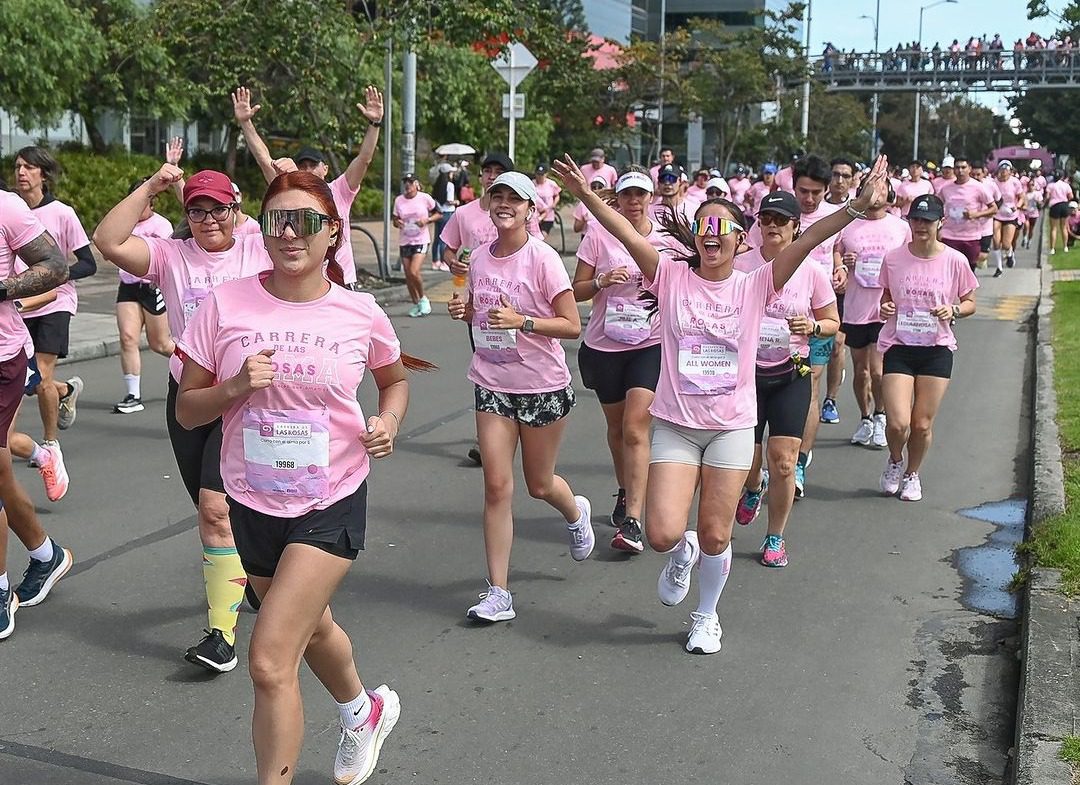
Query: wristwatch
<point>817,329</point>
<point>527,325</point>
<point>955,312</point>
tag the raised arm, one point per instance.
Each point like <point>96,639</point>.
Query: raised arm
<point>244,112</point>
<point>372,110</point>
<point>873,194</point>
<point>47,268</point>
<point>643,253</point>
<point>113,236</point>
<point>174,151</point>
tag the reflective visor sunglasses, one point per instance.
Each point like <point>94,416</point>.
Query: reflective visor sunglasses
<point>304,222</point>
<point>713,224</point>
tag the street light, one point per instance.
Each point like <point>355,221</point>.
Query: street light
<point>918,96</point>
<point>873,133</point>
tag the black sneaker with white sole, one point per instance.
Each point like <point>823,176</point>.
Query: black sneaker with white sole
<point>40,577</point>
<point>628,538</point>
<point>618,515</point>
<point>9,603</point>
<point>213,653</point>
<point>129,405</point>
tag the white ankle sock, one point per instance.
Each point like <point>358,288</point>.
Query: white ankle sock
<point>714,574</point>
<point>4,585</point>
<point>37,455</point>
<point>43,552</point>
<point>356,712</point>
<point>131,382</point>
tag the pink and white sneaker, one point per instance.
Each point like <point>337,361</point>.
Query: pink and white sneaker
<point>358,750</point>
<point>890,478</point>
<point>911,488</point>
<point>53,472</point>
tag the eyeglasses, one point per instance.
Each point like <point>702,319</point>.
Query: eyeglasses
<point>713,224</point>
<point>304,222</point>
<point>773,219</point>
<point>196,215</point>
<point>841,176</point>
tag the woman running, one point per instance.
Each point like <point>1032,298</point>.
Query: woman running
<point>804,306</point>
<point>1058,195</point>
<point>520,305</point>
<point>620,356</point>
<point>140,304</point>
<point>277,358</point>
<point>927,287</point>
<point>705,407</point>
<point>186,271</point>
<point>1006,221</point>
<point>1033,204</point>
<point>413,212</point>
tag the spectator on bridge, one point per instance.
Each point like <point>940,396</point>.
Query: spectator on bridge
<point>954,55</point>
<point>935,56</point>
<point>997,47</point>
<point>1018,54</point>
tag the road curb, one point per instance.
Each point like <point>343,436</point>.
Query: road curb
<point>1050,644</point>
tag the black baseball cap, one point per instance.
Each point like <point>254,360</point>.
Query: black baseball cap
<point>780,202</point>
<point>309,154</point>
<point>927,208</point>
<point>498,159</point>
<point>409,177</point>
<point>669,170</point>
<point>541,169</point>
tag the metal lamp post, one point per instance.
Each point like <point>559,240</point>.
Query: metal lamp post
<point>918,95</point>
<point>875,20</point>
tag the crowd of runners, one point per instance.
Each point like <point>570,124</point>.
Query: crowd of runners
<point>721,311</point>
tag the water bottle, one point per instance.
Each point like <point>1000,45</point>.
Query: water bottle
<point>460,281</point>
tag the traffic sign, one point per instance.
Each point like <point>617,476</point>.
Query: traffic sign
<point>515,64</point>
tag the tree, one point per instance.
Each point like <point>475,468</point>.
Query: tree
<point>953,124</point>
<point>49,46</point>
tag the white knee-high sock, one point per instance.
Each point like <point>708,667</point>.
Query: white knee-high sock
<point>714,574</point>
<point>995,255</point>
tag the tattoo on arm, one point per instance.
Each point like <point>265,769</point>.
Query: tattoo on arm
<point>48,268</point>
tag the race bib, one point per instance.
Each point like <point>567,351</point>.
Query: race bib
<point>192,300</point>
<point>707,365</point>
<point>917,328</point>
<point>287,452</point>
<point>497,346</point>
<point>626,320</point>
<point>774,341</point>
<point>955,211</point>
<point>868,271</point>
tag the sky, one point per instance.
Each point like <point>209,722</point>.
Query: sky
<point>837,21</point>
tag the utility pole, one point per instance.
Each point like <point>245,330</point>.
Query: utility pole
<point>388,126</point>
<point>805,126</point>
<point>408,111</point>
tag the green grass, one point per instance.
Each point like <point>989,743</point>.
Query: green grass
<point>1070,749</point>
<point>1069,260</point>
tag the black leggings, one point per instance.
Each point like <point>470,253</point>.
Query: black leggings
<point>782,404</point>
<point>197,452</point>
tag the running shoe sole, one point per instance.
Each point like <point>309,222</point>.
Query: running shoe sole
<point>620,543</point>
<point>65,567</point>
<point>6,632</point>
<point>387,722</point>
<point>128,409</point>
<point>214,667</point>
<point>495,617</point>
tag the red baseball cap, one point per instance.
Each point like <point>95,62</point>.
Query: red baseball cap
<point>209,183</point>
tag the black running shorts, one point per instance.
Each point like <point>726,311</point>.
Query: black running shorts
<point>859,336</point>
<point>197,452</point>
<point>611,375</point>
<point>50,332</point>
<point>782,403</point>
<point>145,294</point>
<point>919,361</point>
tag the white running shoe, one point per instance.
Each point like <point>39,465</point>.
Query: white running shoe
<point>911,488</point>
<point>358,750</point>
<point>865,434</point>
<point>674,582</point>
<point>582,538</point>
<point>496,604</point>
<point>705,633</point>
<point>879,439</point>
<point>890,478</point>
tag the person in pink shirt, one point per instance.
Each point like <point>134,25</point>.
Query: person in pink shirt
<point>278,358</point>
<point>927,287</point>
<point>187,271</point>
<point>548,191</point>
<point>1033,204</point>
<point>140,304</point>
<point>23,238</point>
<point>695,193</point>
<point>582,217</point>
<point>245,224</point>
<point>705,409</point>
<point>414,211</point>
<point>916,185</point>
<point>946,174</point>
<point>1058,195</point>
<point>805,306</point>
<point>843,181</point>
<point>967,202</point>
<point>986,223</point>
<point>667,158</point>
<point>344,187</point>
<point>862,246</point>
<point>36,172</point>
<point>785,178</point>
<point>669,197</point>
<point>739,186</point>
<point>620,355</point>
<point>598,166</point>
<point>765,185</point>
<point>1007,220</point>
<point>520,305</point>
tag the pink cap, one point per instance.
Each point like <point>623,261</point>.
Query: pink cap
<point>209,183</point>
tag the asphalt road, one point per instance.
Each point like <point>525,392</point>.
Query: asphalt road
<point>865,661</point>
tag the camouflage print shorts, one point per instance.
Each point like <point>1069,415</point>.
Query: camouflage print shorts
<point>532,409</point>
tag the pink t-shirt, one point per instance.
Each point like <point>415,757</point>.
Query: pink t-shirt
<point>344,195</point>
<point>294,446</point>
<point>69,234</point>
<point>186,274</point>
<point>1033,203</point>
<point>547,191</point>
<point>250,226</point>
<point>917,285</point>
<point>695,194</point>
<point>410,212</point>
<point>605,170</point>
<point>709,340</point>
<point>992,190</point>
<point>684,208</point>
<point>940,182</point>
<point>971,196</point>
<point>508,360</point>
<point>757,192</point>
<point>822,253</point>
<point>869,241</point>
<point>620,321</point>
<point>785,180</point>
<point>18,226</point>
<point>1057,192</point>
<point>470,227</point>
<point>739,187</point>
<point>582,214</point>
<point>910,190</point>
<point>154,226</point>
<point>1012,194</point>
<point>808,289</point>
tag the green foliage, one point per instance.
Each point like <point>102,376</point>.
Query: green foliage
<point>48,47</point>
<point>1050,117</point>
<point>958,124</point>
<point>1070,749</point>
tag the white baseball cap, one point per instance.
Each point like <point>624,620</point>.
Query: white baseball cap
<point>948,161</point>
<point>719,183</point>
<point>634,180</point>
<point>517,182</point>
